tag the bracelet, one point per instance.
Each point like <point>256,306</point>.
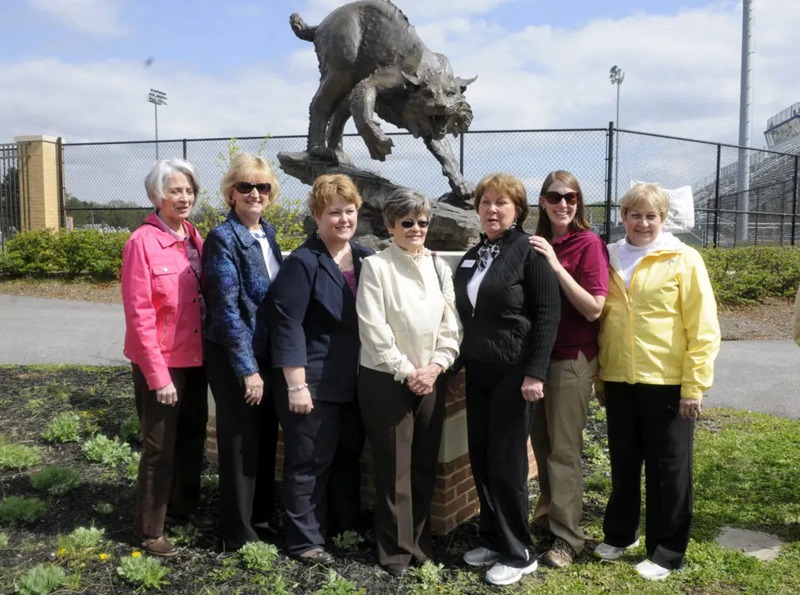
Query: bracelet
<point>296,387</point>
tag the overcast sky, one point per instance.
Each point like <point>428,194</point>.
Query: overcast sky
<point>81,69</point>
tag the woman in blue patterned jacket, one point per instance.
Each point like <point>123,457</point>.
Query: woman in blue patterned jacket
<point>240,259</point>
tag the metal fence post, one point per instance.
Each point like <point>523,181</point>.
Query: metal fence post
<point>609,181</point>
<point>62,191</point>
<point>716,195</point>
<point>794,198</point>
<point>184,149</point>
<point>461,153</point>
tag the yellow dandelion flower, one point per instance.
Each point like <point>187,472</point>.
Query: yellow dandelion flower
<point>104,556</point>
<point>136,554</point>
<point>61,551</point>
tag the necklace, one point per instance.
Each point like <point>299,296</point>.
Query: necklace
<point>346,263</point>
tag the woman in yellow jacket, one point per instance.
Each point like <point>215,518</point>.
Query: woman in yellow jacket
<point>659,336</point>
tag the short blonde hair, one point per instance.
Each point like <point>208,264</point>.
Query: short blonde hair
<point>245,165</point>
<point>645,196</point>
<point>329,186</point>
<point>505,185</point>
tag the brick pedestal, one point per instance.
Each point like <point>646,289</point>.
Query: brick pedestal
<point>455,499</point>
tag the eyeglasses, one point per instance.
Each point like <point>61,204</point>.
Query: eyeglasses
<point>409,223</point>
<point>246,188</point>
<point>554,197</point>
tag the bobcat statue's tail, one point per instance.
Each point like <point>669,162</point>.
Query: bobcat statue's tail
<point>301,29</point>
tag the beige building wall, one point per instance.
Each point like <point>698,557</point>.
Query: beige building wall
<point>39,181</point>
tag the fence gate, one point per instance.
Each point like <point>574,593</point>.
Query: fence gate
<point>9,193</point>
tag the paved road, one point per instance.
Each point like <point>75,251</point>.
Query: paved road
<point>751,375</point>
<point>39,331</point>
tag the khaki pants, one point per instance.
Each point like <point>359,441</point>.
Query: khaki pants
<point>557,440</point>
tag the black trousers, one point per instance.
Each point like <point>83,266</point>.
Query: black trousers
<point>404,431</point>
<point>498,424</point>
<point>173,438</point>
<point>644,426</point>
<point>321,470</point>
<point>247,439</point>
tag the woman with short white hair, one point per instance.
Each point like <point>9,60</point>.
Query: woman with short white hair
<point>164,314</point>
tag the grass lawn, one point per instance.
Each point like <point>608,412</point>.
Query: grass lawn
<point>65,530</point>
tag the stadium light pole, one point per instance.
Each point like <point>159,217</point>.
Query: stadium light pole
<point>157,98</point>
<point>616,75</point>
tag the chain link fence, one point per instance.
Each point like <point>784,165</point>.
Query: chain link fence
<point>104,182</point>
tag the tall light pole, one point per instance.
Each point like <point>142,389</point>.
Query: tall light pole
<point>617,75</point>
<point>157,98</point>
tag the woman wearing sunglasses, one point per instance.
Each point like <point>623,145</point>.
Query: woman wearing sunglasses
<point>409,335</point>
<point>659,336</point>
<point>314,344</point>
<point>240,260</point>
<point>508,300</point>
<point>580,261</point>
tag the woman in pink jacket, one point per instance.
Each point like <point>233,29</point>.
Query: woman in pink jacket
<point>164,313</point>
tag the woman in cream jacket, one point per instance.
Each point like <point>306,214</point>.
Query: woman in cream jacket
<point>410,334</point>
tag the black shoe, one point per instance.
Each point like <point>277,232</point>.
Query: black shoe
<point>396,570</point>
<point>202,523</point>
<point>315,555</point>
<point>266,532</point>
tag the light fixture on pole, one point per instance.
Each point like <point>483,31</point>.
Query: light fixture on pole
<point>157,98</point>
<point>616,75</point>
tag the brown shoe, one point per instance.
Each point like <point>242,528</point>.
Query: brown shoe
<point>157,546</point>
<point>560,554</point>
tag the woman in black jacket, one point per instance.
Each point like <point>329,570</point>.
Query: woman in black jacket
<point>508,299</point>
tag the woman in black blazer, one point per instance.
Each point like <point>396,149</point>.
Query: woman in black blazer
<point>314,340</point>
<point>508,299</point>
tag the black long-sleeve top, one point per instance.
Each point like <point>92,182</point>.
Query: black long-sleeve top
<point>515,319</point>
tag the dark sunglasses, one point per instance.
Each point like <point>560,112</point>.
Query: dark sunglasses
<point>246,188</point>
<point>554,197</point>
<point>409,223</point>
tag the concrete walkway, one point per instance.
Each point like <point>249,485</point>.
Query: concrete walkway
<point>760,376</point>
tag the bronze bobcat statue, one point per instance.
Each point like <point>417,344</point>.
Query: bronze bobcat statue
<point>372,60</point>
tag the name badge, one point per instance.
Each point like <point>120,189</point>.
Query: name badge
<point>468,264</point>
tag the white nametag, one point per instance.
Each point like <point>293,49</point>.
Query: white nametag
<point>468,264</point>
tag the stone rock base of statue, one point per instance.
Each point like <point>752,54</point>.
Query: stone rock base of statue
<point>454,225</point>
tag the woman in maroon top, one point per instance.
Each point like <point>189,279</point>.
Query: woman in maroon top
<point>580,261</point>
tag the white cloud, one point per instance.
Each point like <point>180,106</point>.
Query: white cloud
<point>95,17</point>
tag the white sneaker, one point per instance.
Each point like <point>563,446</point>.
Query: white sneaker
<point>612,552</point>
<point>500,574</point>
<point>481,556</point>
<point>652,571</point>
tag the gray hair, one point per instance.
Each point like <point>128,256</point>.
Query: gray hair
<point>402,202</point>
<point>157,178</point>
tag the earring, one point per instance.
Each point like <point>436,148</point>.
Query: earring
<point>316,233</point>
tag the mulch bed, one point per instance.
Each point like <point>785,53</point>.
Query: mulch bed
<point>31,397</point>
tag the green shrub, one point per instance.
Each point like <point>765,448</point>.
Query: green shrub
<point>16,509</point>
<point>55,481</point>
<point>41,580</point>
<point>106,451</point>
<point>17,456</point>
<point>258,556</point>
<point>65,427</point>
<point>129,429</point>
<point>143,572</point>
<point>46,252</point>
<point>83,543</point>
<point>749,274</point>
<point>338,585</point>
